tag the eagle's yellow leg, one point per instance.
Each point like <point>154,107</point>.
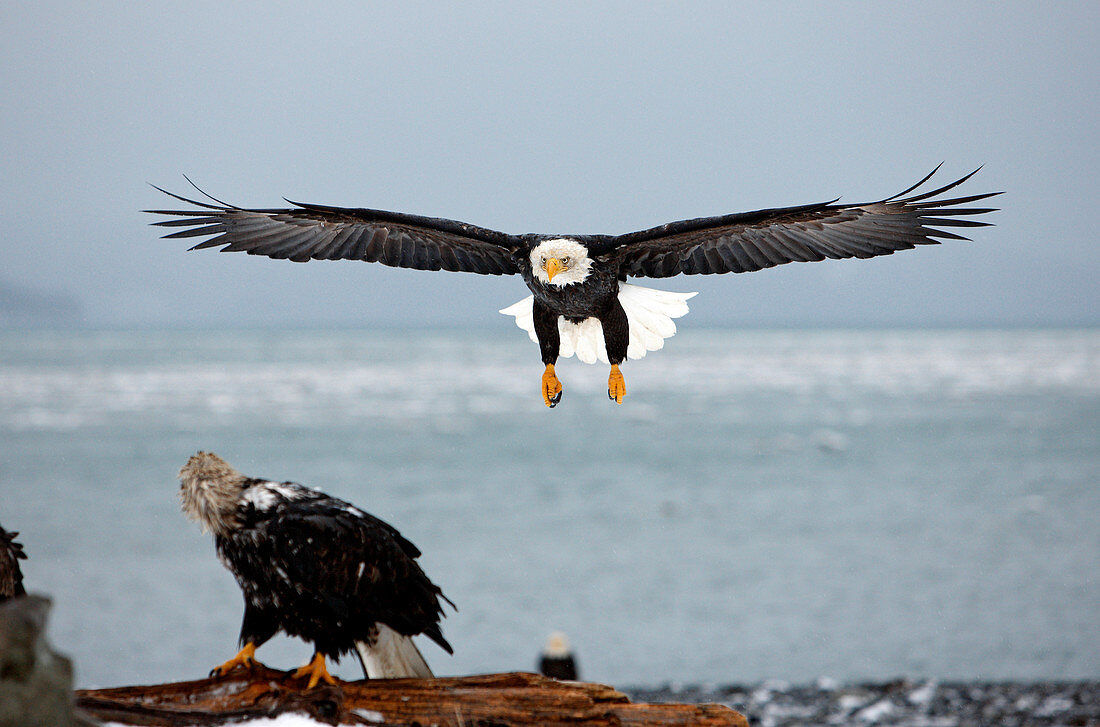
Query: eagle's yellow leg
<point>316,671</point>
<point>551,387</point>
<point>245,658</point>
<point>616,385</point>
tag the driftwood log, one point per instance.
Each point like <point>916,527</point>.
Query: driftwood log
<point>492,700</point>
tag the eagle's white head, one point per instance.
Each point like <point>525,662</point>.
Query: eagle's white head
<point>210,491</point>
<point>557,646</point>
<point>561,262</point>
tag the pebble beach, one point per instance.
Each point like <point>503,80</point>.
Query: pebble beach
<point>900,703</point>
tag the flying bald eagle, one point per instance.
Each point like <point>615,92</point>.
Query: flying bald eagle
<point>11,577</point>
<point>315,567</point>
<point>580,302</point>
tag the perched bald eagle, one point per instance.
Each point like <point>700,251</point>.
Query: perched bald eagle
<point>557,660</point>
<point>580,302</point>
<point>315,567</point>
<point>11,577</point>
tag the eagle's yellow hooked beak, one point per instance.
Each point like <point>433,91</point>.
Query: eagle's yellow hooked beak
<point>553,267</point>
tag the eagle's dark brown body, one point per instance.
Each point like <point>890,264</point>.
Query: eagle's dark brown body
<point>575,302</point>
<point>318,568</point>
<point>597,297</point>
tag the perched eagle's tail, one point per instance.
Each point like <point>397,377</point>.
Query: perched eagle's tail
<point>392,656</point>
<point>649,314</point>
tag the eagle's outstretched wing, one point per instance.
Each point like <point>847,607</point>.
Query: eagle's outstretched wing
<point>316,232</point>
<point>749,241</point>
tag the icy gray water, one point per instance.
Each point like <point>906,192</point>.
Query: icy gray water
<point>765,504</point>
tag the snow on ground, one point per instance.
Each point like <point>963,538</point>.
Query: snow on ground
<point>283,720</point>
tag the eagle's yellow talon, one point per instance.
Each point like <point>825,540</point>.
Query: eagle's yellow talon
<point>245,658</point>
<point>616,385</point>
<point>551,387</point>
<point>316,671</point>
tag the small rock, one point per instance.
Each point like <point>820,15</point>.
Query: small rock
<point>1054,705</point>
<point>922,696</point>
<point>875,712</point>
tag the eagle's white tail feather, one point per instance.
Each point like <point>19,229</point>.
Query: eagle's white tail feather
<point>588,335</point>
<point>568,336</point>
<point>649,314</point>
<point>393,656</point>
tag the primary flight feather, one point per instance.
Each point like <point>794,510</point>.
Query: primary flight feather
<point>580,302</point>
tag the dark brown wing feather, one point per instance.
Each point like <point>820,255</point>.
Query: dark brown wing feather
<point>749,241</point>
<point>355,560</point>
<point>315,232</point>
<point>11,577</point>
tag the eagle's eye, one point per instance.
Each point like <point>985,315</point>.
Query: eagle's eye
<point>565,261</point>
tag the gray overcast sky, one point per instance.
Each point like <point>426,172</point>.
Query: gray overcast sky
<point>564,117</point>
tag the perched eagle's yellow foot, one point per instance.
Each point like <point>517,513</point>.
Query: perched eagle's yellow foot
<point>616,385</point>
<point>551,387</point>
<point>316,671</point>
<point>245,658</point>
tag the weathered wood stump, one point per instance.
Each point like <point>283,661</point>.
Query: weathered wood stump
<point>491,700</point>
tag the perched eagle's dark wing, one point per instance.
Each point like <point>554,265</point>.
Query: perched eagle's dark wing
<point>749,241</point>
<point>315,232</point>
<point>11,577</point>
<point>346,566</point>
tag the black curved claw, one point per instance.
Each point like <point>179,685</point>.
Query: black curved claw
<point>555,400</point>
